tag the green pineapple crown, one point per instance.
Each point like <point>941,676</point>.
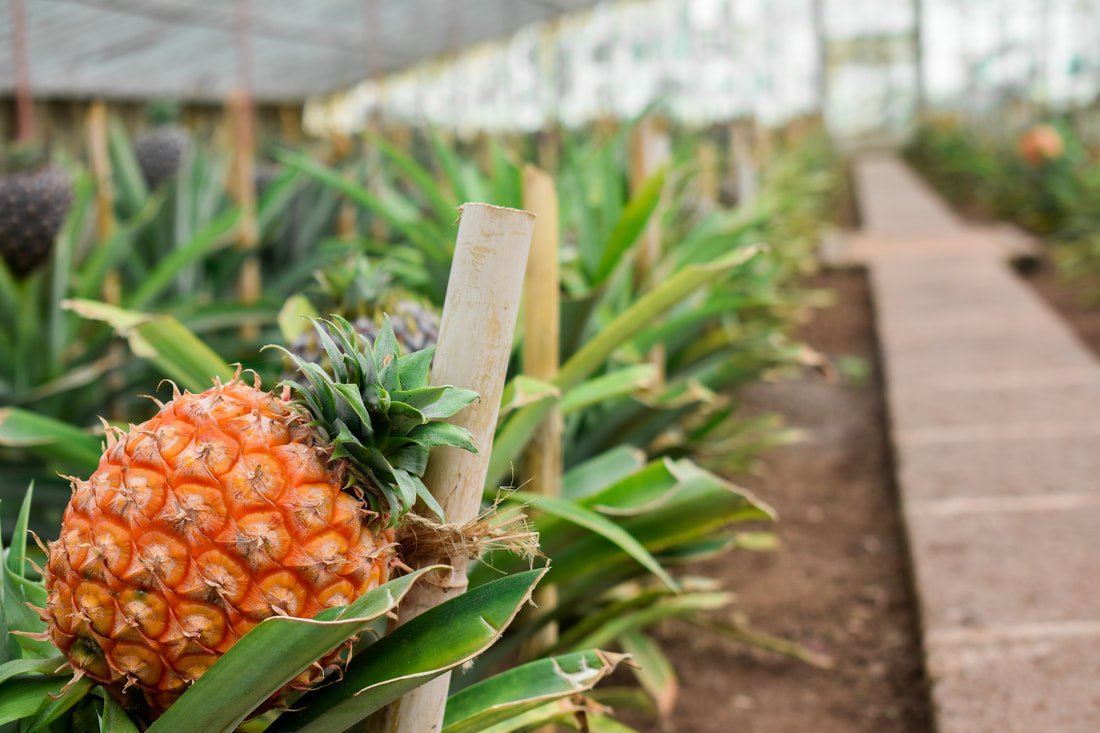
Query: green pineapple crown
<point>378,412</point>
<point>353,282</point>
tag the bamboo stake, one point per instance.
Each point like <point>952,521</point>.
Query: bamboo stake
<point>101,170</point>
<point>475,343</point>
<point>243,188</point>
<point>543,463</point>
<point>744,168</point>
<point>346,226</point>
<point>100,160</point>
<point>649,150</point>
<point>20,61</point>
<point>708,174</point>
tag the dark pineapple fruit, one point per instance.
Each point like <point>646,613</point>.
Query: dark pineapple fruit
<point>33,205</point>
<point>159,153</point>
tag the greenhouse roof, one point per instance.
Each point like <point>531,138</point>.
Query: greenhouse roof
<point>187,48</point>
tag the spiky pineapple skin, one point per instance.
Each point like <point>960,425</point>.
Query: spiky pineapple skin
<point>219,512</point>
<point>33,207</point>
<point>160,152</point>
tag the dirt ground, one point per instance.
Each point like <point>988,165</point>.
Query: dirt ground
<point>1075,301</point>
<point>840,582</point>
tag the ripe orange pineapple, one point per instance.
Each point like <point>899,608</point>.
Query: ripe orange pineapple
<point>1041,144</point>
<point>231,506</point>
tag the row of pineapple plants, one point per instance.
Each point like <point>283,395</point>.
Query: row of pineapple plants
<point>634,507</point>
<point>1042,177</point>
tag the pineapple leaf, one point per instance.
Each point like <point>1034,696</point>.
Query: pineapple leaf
<point>412,458</point>
<point>592,521</point>
<point>429,501</point>
<point>21,697</point>
<point>409,486</point>
<point>452,401</point>
<point>272,654</point>
<point>53,707</point>
<point>415,653</point>
<point>357,402</point>
<point>412,369</point>
<point>354,399</point>
<point>526,687</point>
<point>19,667</point>
<point>17,553</point>
<point>113,718</point>
<point>442,433</point>
<point>654,670</point>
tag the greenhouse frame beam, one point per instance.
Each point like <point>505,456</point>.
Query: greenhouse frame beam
<point>126,49</point>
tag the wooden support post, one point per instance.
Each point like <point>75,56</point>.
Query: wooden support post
<point>243,117</point>
<point>543,462</point>
<point>100,160</point>
<point>20,62</point>
<point>475,343</point>
<point>243,190</point>
<point>342,148</point>
<point>290,124</point>
<point>649,150</point>
<point>742,163</point>
<point>708,174</point>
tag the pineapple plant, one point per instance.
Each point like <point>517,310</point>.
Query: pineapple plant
<point>34,201</point>
<point>361,293</point>
<point>161,149</point>
<point>237,505</point>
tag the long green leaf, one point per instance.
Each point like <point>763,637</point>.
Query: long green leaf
<point>20,667</point>
<point>653,670</point>
<point>269,656</point>
<point>50,438</point>
<point>516,433</point>
<point>662,608</point>
<point>214,235</point>
<point>53,708</point>
<point>113,718</point>
<point>525,688</point>
<point>163,340</point>
<point>415,230</point>
<point>559,712</point>
<point>578,515</point>
<point>601,471</point>
<point>635,218</point>
<point>418,651</point>
<point>445,206</point>
<point>619,383</point>
<point>21,697</point>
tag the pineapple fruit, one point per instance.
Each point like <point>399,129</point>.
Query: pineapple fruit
<point>160,152</point>
<point>362,293</point>
<point>33,206</point>
<point>234,505</point>
<point>1041,144</point>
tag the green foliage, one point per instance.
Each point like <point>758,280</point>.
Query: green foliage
<point>644,444</point>
<point>375,408</point>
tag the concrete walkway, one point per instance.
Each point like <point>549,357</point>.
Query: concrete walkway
<point>995,413</point>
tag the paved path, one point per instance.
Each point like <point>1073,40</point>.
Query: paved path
<point>995,416</point>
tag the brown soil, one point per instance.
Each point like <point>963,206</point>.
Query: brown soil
<point>1074,301</point>
<point>840,582</point>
